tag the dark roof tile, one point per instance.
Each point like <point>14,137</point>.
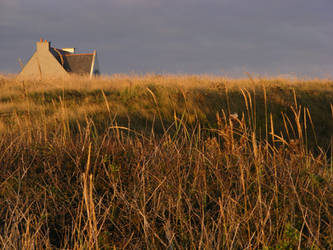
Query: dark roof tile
<point>74,63</point>
<point>78,63</point>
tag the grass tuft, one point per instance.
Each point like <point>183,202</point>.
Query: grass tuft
<point>176,162</point>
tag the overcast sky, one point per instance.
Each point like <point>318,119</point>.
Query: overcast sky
<point>224,37</point>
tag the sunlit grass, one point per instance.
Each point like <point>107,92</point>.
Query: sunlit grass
<point>153,161</point>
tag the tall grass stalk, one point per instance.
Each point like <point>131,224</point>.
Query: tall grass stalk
<point>220,168</point>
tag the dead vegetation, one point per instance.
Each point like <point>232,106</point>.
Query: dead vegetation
<point>208,165</point>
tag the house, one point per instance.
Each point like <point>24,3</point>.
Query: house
<point>52,62</point>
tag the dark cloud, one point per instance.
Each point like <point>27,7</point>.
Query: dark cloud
<point>177,36</point>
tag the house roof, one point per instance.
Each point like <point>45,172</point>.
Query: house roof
<point>78,63</point>
<point>74,63</point>
<point>59,54</point>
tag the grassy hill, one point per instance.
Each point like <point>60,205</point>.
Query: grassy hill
<point>166,161</point>
<point>143,102</point>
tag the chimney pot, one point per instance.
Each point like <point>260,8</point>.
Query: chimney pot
<point>42,45</point>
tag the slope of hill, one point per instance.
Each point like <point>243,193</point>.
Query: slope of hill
<point>166,161</point>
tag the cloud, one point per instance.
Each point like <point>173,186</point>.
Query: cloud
<point>9,3</point>
<point>192,36</point>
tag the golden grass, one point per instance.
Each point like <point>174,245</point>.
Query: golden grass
<point>185,81</point>
<point>172,161</point>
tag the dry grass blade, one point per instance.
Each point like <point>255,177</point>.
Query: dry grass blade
<point>166,162</point>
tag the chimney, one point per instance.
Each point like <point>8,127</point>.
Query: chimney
<point>69,50</point>
<point>43,45</point>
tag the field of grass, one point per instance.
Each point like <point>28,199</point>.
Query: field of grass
<point>166,161</point>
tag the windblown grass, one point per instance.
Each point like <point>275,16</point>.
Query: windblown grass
<point>166,162</point>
